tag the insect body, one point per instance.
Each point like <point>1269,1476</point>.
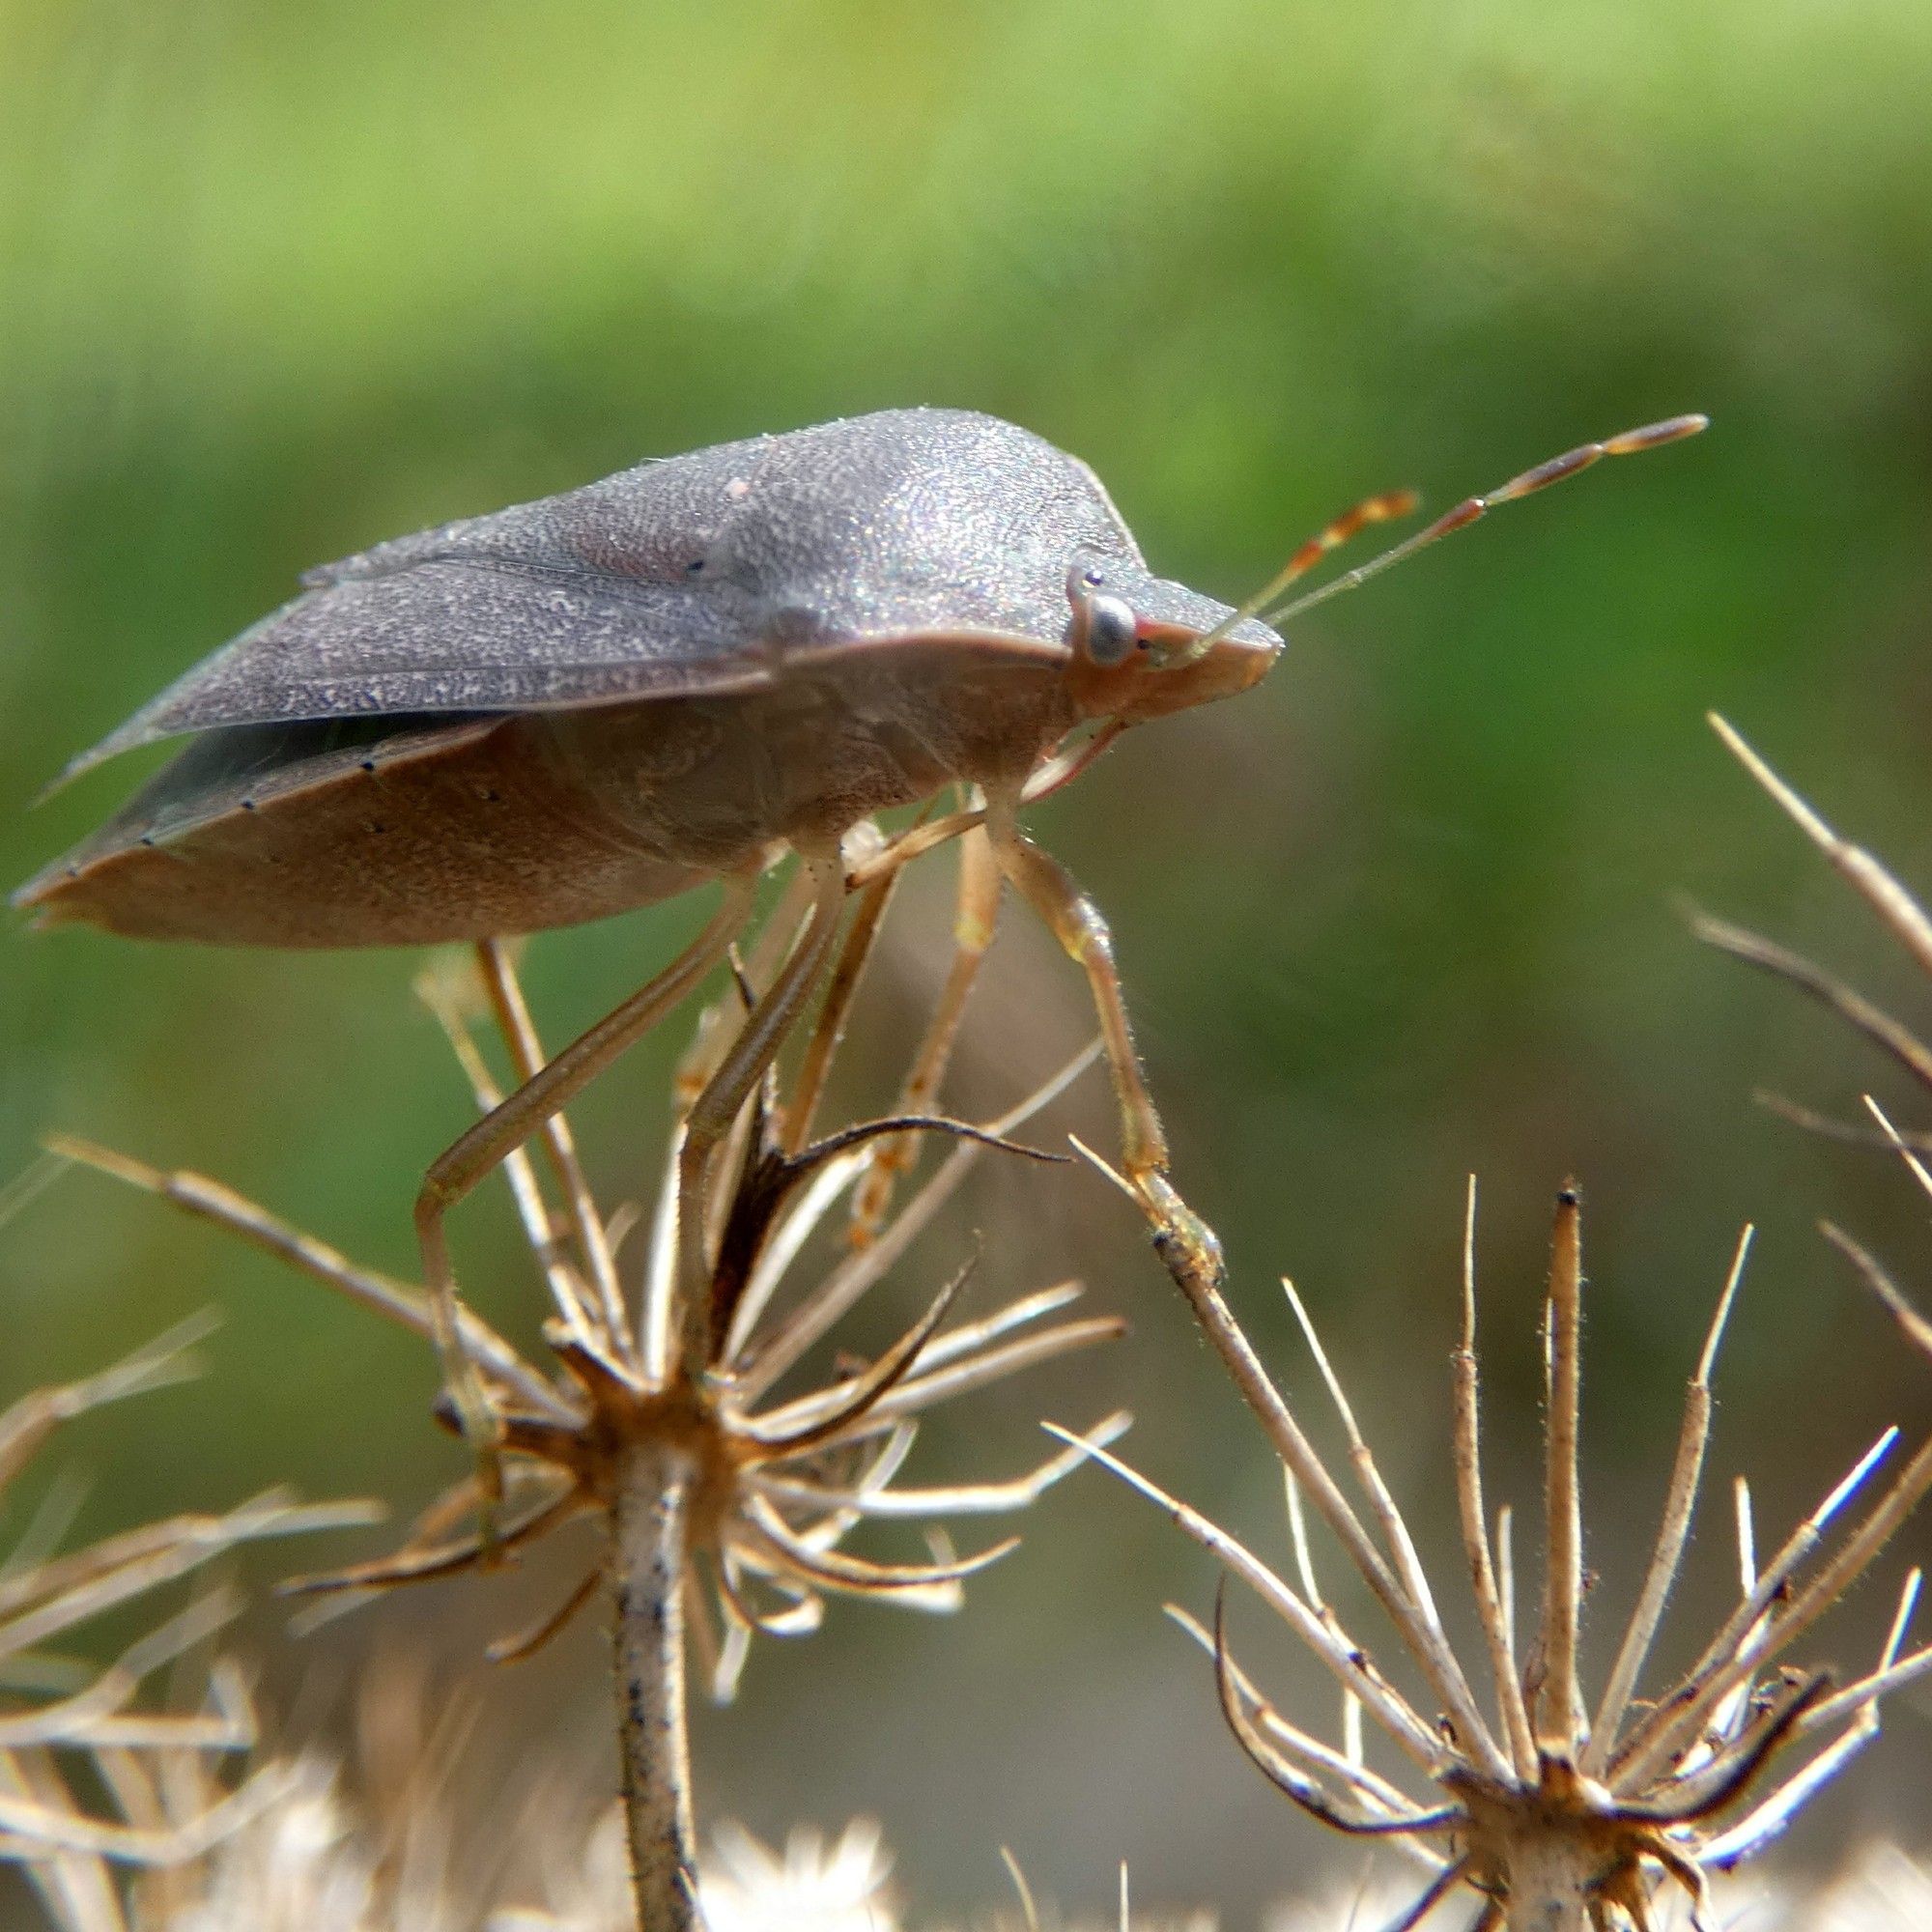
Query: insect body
<point>601,699</point>
<point>608,697</point>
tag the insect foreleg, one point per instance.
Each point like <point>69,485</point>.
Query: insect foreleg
<point>716,1108</point>
<point>1081,928</point>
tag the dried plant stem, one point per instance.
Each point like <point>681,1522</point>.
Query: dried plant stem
<point>1560,1711</point>
<point>1492,1598</point>
<point>1549,1885</point>
<point>1681,1499</point>
<point>650,1528</point>
<point>395,1300</point>
<point>1874,1022</point>
<point>834,1010</point>
<point>1583,1821</point>
<point>1197,1273</point>
<point>1883,893</point>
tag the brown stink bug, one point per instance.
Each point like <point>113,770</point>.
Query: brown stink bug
<point>670,678</point>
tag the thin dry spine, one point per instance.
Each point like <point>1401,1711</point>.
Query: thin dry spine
<point>98,1777</point>
<point>1032,1919</point>
<point>725,1501</point>
<point>1555,1813</point>
<point>1906,919</point>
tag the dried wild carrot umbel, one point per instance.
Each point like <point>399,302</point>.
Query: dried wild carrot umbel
<point>1561,1813</point>
<point>726,1496</point>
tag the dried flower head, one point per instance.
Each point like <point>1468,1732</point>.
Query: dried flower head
<point>1558,1812</point>
<point>95,1778</point>
<point>726,1499</point>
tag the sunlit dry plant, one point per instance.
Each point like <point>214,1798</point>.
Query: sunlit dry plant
<point>1877,1889</point>
<point>394,1844</point>
<point>1907,922</point>
<point>810,1886</point>
<point>1881,1889</point>
<point>301,1860</point>
<point>97,1775</point>
<point>1035,1916</point>
<point>726,1497</point>
<point>1561,1814</point>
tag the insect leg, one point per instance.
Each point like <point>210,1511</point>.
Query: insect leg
<point>975,916</point>
<point>715,1109</point>
<point>1081,928</point>
<point>505,993</point>
<point>829,1032</point>
<point>461,1166</point>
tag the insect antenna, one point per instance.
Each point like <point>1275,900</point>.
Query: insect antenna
<point>1473,509</point>
<point>1382,509</point>
<point>1400,502</point>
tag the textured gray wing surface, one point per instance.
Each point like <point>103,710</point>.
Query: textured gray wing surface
<point>444,635</point>
<point>699,574</point>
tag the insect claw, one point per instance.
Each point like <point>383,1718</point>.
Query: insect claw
<point>1180,1234</point>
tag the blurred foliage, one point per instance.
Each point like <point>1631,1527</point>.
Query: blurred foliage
<point>277,281</point>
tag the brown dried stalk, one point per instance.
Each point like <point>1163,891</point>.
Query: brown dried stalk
<point>71,1730</point>
<point>725,1503</point>
<point>1558,1816</point>
<point>1909,924</point>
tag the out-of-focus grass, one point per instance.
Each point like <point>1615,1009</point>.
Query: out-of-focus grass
<point>275,282</point>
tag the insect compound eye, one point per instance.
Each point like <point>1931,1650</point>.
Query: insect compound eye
<point>1110,631</point>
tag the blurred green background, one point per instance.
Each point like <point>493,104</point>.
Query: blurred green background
<point>277,282</point>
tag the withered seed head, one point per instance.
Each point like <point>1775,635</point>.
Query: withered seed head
<point>781,1481</point>
<point>1561,1816</point>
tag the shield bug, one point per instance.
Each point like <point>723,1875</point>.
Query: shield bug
<point>670,678</point>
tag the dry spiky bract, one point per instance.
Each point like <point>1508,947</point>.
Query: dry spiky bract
<point>93,1780</point>
<point>1562,1813</point>
<point>727,1504</point>
<point>1907,922</point>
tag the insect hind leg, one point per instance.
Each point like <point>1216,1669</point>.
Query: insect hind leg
<point>476,1153</point>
